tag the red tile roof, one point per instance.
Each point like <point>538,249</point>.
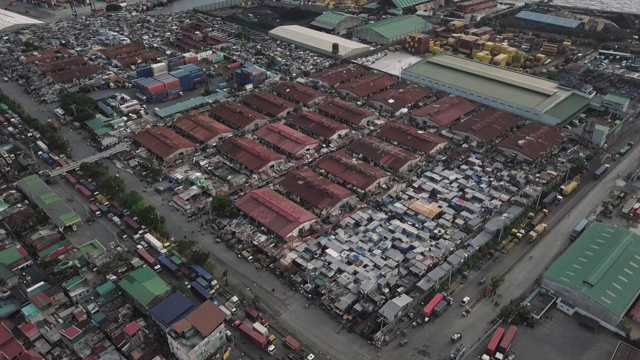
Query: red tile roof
<point>286,139</point>
<point>297,92</point>
<point>487,125</point>
<point>236,115</point>
<point>350,170</point>
<point>446,110</point>
<point>274,211</point>
<point>9,346</point>
<point>401,96</point>
<point>131,328</point>
<point>71,332</point>
<point>315,189</point>
<point>411,137</point>
<point>202,127</point>
<point>369,84</point>
<point>29,330</point>
<point>533,140</point>
<point>382,153</point>
<point>162,141</point>
<point>267,103</point>
<point>317,124</point>
<point>249,153</point>
<point>345,112</point>
<point>340,74</point>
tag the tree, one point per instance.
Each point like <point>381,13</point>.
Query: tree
<point>113,185</point>
<point>225,276</point>
<point>223,206</point>
<point>184,246</point>
<point>297,109</point>
<point>131,200</point>
<point>255,301</point>
<point>198,257</point>
<point>113,8</point>
<point>80,106</point>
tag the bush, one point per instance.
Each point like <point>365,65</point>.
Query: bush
<point>113,8</point>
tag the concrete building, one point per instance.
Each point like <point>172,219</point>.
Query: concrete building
<point>317,41</point>
<point>597,275</point>
<point>336,22</point>
<point>524,95</point>
<point>164,143</point>
<point>532,142</point>
<point>391,30</point>
<point>275,212</point>
<point>199,335</point>
<point>616,104</point>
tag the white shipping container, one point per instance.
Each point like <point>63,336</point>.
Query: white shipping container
<point>160,68</point>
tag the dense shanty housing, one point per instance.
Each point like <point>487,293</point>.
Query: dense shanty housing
<point>400,97</point>
<point>366,86</point>
<point>268,104</point>
<point>412,138</point>
<point>486,126</point>
<point>383,154</point>
<point>202,128</point>
<point>297,93</point>
<point>251,154</point>
<point>532,142</point>
<point>337,75</point>
<point>322,195</point>
<point>352,172</point>
<point>164,143</point>
<point>346,113</point>
<point>443,112</point>
<point>237,116</point>
<point>318,126</point>
<point>286,139</point>
<point>275,212</point>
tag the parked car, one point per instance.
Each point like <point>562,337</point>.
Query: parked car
<point>465,301</point>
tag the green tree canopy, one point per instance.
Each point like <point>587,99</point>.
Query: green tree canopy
<point>223,206</point>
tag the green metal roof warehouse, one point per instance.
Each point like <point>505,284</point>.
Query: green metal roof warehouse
<point>599,273</point>
<point>391,30</point>
<point>524,95</point>
<point>42,195</point>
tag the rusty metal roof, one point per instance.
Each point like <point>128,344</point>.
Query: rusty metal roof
<point>533,140</point>
<point>315,189</point>
<point>61,65</point>
<point>369,84</point>
<point>121,49</point>
<point>350,170</point>
<point>411,137</point>
<point>402,95</point>
<point>345,112</point>
<point>297,92</point>
<point>77,73</point>
<point>267,103</point>
<point>202,127</point>
<point>162,141</point>
<point>274,211</point>
<point>317,124</point>
<point>382,153</point>
<point>487,125</point>
<point>236,115</point>
<point>340,74</point>
<point>446,110</point>
<point>249,153</point>
<point>285,138</point>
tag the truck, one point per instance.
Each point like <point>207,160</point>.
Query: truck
<point>625,149</point>
<point>537,218</point>
<point>93,209</point>
<point>47,159</point>
<point>86,193</point>
<point>104,210</point>
<point>579,229</point>
<point>427,311</point>
<point>154,243</point>
<point>176,260</point>
<point>132,225</point>
<point>42,146</point>
<point>507,340</point>
<point>167,264</point>
<point>252,314</point>
<point>117,209</point>
<point>536,232</point>
<point>198,271</point>
<point>146,257</point>
<point>253,335</point>
<point>601,171</point>
<point>89,185</point>
<point>492,347</point>
<point>292,343</point>
<point>200,291</point>
<point>568,187</point>
<point>551,200</point>
<point>102,200</point>
<point>71,180</point>
<point>440,308</point>
<point>261,329</point>
<point>226,312</point>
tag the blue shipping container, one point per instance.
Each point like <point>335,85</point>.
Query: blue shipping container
<point>174,91</point>
<point>158,98</point>
<point>144,72</point>
<point>186,80</point>
<point>199,290</point>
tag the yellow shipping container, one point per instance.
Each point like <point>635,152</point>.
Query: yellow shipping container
<point>541,58</point>
<point>488,45</point>
<point>566,44</point>
<point>485,37</point>
<point>521,53</point>
<point>510,51</point>
<point>436,51</point>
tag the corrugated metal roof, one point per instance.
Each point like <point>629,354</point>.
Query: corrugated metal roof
<point>369,84</point>
<point>398,26</point>
<point>249,153</point>
<point>411,137</point>
<point>236,115</point>
<point>533,140</point>
<point>285,138</point>
<point>317,190</point>
<point>317,40</point>
<point>205,319</point>
<point>487,125</point>
<point>382,153</point>
<point>350,170</point>
<point>267,103</point>
<point>402,95</point>
<point>173,308</point>
<point>143,285</point>
<point>297,92</point>
<point>274,211</point>
<point>340,74</point>
<point>202,127</point>
<point>345,112</point>
<point>549,19</point>
<point>317,124</point>
<point>446,110</point>
<point>329,19</point>
<point>162,141</point>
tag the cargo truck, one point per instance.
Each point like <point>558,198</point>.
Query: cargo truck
<point>167,264</point>
<point>104,210</point>
<point>132,225</point>
<point>86,193</point>
<point>253,336</point>
<point>536,232</point>
<point>102,200</point>
<point>551,200</point>
<point>440,308</point>
<point>292,344</point>
<point>252,314</point>
<point>492,347</point>
<point>200,291</point>
<point>507,340</point>
<point>428,309</point>
<point>47,159</point>
<point>71,180</point>
<point>198,271</point>
<point>568,187</point>
<point>154,243</point>
<point>260,329</point>
<point>93,209</point>
<point>227,313</point>
<point>89,185</point>
<point>625,149</point>
<point>42,146</point>
<point>579,229</point>
<point>601,171</point>
<point>146,257</point>
<point>537,218</point>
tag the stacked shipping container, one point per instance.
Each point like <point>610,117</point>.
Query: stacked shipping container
<point>159,68</point>
<point>153,89</point>
<point>175,62</point>
<point>417,44</point>
<point>186,81</point>
<point>191,60</point>
<point>197,74</point>
<point>251,74</point>
<point>171,85</point>
<point>144,72</point>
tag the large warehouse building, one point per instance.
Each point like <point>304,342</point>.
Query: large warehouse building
<point>549,20</point>
<point>391,30</point>
<point>524,95</point>
<point>599,274</point>
<point>317,41</point>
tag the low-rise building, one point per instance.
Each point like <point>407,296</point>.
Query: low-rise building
<point>318,126</point>
<point>616,104</point>
<point>399,97</point>
<point>443,112</point>
<point>164,143</point>
<point>298,94</point>
<point>337,75</point>
<point>199,335</point>
<point>237,116</point>
<point>268,104</point>
<point>486,126</point>
<point>336,22</point>
<point>352,172</point>
<point>202,128</point>
<point>319,193</point>
<point>383,154</point>
<point>172,309</point>
<point>286,139</point>
<point>366,86</point>
<point>532,142</point>
<point>346,113</point>
<point>412,138</point>
<point>250,154</point>
<point>143,287</point>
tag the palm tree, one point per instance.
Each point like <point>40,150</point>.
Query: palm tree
<point>255,301</point>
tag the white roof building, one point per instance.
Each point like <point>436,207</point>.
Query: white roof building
<point>317,41</point>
